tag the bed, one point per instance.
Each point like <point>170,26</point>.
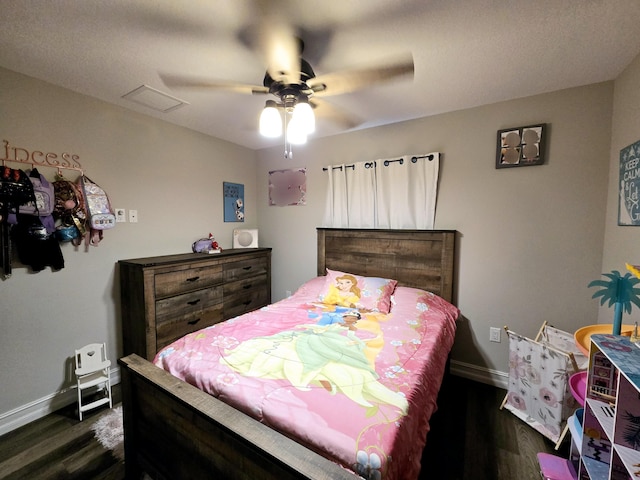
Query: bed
<point>176,430</point>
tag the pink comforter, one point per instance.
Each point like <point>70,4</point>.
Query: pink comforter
<point>361,396</point>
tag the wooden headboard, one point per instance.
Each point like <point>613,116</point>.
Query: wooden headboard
<point>415,258</point>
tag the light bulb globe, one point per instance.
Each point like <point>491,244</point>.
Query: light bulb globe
<point>270,121</point>
<point>303,113</point>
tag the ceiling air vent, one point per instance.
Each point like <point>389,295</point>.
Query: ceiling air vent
<point>152,98</point>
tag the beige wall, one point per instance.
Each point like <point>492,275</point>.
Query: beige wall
<point>622,244</point>
<point>172,176</point>
<point>530,240</point>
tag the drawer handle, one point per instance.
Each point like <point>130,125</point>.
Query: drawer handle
<point>193,279</point>
<point>193,322</point>
<point>194,302</point>
<point>247,303</point>
<point>246,287</point>
<point>247,268</point>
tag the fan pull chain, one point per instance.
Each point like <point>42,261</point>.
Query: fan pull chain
<point>287,146</point>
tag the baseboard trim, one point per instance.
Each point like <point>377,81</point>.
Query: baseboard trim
<point>480,374</point>
<point>44,406</point>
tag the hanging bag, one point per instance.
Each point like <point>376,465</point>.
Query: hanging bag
<point>100,215</point>
<point>69,212</point>
<point>15,190</point>
<point>35,246</point>
<point>44,196</point>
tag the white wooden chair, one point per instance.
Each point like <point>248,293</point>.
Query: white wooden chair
<point>92,370</point>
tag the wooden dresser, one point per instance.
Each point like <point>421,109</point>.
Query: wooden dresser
<point>164,298</point>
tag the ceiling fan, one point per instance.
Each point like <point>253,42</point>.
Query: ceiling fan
<point>296,87</point>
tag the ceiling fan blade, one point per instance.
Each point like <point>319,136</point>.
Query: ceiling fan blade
<point>280,49</point>
<point>356,79</point>
<point>275,40</point>
<point>176,81</point>
<point>326,111</point>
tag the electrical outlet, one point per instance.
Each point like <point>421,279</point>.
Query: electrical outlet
<point>133,216</point>
<point>121,215</point>
<point>494,334</point>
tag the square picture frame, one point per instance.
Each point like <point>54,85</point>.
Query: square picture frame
<point>521,146</point>
<point>288,187</point>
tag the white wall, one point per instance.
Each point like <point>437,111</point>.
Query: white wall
<point>531,238</point>
<point>171,175</point>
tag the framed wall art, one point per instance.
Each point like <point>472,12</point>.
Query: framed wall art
<point>520,146</point>
<point>233,202</point>
<point>629,183</point>
<point>288,187</point>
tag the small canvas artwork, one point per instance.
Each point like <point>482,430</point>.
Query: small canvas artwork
<point>288,187</point>
<point>520,146</point>
<point>629,195</point>
<point>233,202</point>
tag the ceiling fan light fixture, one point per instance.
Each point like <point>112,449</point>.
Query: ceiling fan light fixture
<point>303,115</point>
<point>270,121</point>
<point>296,133</point>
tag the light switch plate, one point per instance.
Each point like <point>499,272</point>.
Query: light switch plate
<point>494,334</point>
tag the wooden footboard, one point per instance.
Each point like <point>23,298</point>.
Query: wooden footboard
<point>175,431</point>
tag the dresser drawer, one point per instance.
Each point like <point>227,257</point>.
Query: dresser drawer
<point>176,316</point>
<point>171,329</point>
<point>245,268</point>
<point>245,295</point>
<point>187,304</point>
<point>244,286</point>
<point>186,280</point>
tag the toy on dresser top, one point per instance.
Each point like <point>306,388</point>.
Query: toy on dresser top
<point>206,245</point>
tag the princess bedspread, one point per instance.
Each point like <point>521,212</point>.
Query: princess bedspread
<point>356,386</point>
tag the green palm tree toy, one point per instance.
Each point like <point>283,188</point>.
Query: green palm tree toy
<point>619,291</point>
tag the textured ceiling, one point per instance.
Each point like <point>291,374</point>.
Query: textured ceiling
<point>466,52</point>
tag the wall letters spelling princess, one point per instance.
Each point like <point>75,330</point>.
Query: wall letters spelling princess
<point>36,157</point>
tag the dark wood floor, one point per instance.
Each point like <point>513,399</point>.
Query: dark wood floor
<point>470,439</point>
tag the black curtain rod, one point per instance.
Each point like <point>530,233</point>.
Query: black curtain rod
<point>386,163</point>
<point>339,167</point>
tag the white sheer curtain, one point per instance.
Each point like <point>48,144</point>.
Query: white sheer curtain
<point>395,193</point>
